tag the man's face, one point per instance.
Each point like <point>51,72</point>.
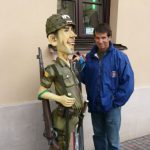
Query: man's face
<point>102,41</point>
<point>66,40</point>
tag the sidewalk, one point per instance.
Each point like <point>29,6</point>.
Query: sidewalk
<point>141,143</point>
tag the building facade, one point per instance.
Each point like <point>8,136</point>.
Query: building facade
<point>23,31</point>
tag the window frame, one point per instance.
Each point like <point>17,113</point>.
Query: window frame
<point>79,15</point>
<point>83,41</point>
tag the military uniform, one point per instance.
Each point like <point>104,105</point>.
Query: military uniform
<point>66,83</point>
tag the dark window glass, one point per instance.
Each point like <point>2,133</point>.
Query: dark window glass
<point>67,7</point>
<point>92,15</point>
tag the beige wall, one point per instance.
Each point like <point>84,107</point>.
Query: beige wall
<point>22,30</point>
<point>132,29</point>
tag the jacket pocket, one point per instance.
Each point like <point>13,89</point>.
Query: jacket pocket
<point>69,80</point>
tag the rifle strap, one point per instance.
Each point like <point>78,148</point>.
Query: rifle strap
<point>66,111</point>
<point>55,69</point>
<point>39,95</point>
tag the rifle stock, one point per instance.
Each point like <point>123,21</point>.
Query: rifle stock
<point>49,132</point>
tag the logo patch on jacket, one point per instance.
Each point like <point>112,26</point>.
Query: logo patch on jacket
<point>114,74</point>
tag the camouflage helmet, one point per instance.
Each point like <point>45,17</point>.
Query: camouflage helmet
<point>56,22</point>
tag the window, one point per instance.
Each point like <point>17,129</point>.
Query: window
<point>86,14</point>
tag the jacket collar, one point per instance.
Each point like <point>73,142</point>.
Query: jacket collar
<point>94,50</point>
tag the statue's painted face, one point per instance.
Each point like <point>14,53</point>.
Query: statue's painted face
<point>66,40</point>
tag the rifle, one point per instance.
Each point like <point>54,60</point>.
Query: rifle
<point>79,132</point>
<point>49,132</point>
<point>80,123</point>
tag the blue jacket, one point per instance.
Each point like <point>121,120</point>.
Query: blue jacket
<point>109,82</point>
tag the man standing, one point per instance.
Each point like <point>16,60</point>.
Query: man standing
<point>60,34</point>
<point>109,82</point>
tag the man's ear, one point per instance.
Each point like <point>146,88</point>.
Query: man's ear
<point>52,39</point>
<point>110,38</point>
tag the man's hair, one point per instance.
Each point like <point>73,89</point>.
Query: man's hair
<point>103,28</point>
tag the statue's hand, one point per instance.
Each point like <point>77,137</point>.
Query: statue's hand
<point>67,101</point>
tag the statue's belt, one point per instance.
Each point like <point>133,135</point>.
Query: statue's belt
<point>71,112</point>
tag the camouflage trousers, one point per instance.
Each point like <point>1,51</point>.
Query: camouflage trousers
<point>61,141</point>
<point>59,123</point>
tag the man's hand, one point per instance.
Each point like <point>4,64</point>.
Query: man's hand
<point>75,58</point>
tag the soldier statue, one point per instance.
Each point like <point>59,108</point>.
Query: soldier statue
<point>67,95</point>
